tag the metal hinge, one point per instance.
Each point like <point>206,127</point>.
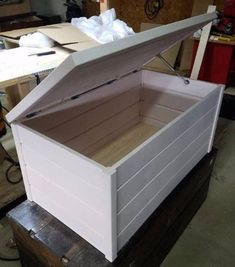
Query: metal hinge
<point>74,97</point>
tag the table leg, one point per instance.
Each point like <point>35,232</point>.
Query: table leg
<point>16,93</point>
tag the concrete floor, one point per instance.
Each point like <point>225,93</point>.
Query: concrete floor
<point>209,240</point>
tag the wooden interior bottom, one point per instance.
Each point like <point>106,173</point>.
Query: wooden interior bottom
<point>119,147</point>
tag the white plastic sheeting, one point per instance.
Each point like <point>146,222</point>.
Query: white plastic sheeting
<point>36,39</point>
<point>104,28</point>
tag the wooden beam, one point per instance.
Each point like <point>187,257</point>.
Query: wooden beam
<point>104,5</point>
<point>202,46</point>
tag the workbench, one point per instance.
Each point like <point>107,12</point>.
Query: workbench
<point>18,69</point>
<point>44,241</point>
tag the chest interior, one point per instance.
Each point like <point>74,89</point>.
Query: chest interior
<point>108,123</point>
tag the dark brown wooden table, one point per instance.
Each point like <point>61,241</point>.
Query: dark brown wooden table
<point>44,241</point>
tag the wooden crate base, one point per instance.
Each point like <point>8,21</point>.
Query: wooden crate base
<point>43,241</point>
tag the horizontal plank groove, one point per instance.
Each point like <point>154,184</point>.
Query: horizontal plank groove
<point>90,137</point>
<point>88,120</point>
<point>179,102</point>
<point>88,193</point>
<point>185,93</point>
<point>160,113</point>
<point>156,200</point>
<point>153,122</point>
<point>167,107</point>
<point>128,212</point>
<point>72,202</point>
<point>201,122</point>
<point>95,98</point>
<point>63,156</point>
<point>67,217</point>
<point>132,93</point>
<point>132,186</point>
<point>166,82</point>
<point>117,148</point>
<point>155,144</point>
<point>94,147</point>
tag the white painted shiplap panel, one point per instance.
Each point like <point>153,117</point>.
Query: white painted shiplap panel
<point>110,225</point>
<point>95,98</point>
<point>166,82</point>
<point>161,113</point>
<point>66,216</point>
<point>87,216</point>
<point>15,131</point>
<point>58,176</point>
<point>139,157</point>
<point>216,117</point>
<point>88,170</point>
<point>135,184</point>
<point>130,211</point>
<point>94,117</point>
<point>170,99</point>
<point>107,127</point>
<point>156,200</point>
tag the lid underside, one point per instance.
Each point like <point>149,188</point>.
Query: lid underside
<point>91,68</point>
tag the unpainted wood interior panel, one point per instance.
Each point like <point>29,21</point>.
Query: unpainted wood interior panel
<point>84,121</point>
<point>119,147</point>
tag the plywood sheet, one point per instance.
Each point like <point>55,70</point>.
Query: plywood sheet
<point>200,6</point>
<point>132,12</point>
<point>170,55</point>
<point>17,33</point>
<point>81,46</point>
<point>186,55</point>
<point>123,144</point>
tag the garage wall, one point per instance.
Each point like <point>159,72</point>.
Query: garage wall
<point>133,13</point>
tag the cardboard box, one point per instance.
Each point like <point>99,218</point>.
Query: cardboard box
<point>64,34</point>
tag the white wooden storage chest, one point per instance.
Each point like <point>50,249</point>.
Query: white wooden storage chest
<point>102,142</point>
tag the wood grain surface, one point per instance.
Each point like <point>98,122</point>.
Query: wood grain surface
<point>123,144</point>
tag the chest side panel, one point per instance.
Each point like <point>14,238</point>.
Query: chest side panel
<point>67,185</point>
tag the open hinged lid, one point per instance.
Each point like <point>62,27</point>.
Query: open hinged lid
<point>89,69</point>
